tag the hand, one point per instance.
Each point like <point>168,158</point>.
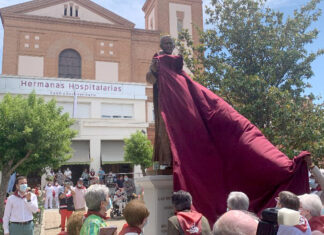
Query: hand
<point>155,65</point>
<point>28,196</point>
<point>6,234</point>
<point>308,160</point>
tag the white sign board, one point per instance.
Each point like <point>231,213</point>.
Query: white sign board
<point>56,87</point>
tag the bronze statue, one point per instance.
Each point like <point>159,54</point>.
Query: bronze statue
<point>162,151</point>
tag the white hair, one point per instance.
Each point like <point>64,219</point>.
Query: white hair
<point>238,201</point>
<point>94,195</point>
<point>312,203</point>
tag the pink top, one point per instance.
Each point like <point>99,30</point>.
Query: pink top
<point>79,201</point>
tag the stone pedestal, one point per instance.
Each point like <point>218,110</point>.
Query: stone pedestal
<point>158,190</point>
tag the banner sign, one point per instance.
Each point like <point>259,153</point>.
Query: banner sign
<point>70,87</point>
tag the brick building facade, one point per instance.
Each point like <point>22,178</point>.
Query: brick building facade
<point>81,43</point>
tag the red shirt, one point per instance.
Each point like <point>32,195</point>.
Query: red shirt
<point>317,223</point>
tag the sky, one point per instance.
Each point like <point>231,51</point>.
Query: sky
<point>132,11</point>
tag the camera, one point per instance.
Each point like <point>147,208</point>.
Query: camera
<point>271,218</point>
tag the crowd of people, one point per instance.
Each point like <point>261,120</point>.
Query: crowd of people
<point>84,210</point>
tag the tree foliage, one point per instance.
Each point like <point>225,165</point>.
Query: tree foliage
<point>33,134</point>
<point>138,150</point>
<point>256,59</point>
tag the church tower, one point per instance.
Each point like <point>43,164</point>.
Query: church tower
<point>171,16</point>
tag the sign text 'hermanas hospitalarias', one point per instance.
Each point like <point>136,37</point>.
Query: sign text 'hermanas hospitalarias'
<point>21,85</point>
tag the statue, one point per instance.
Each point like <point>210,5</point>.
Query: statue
<point>162,151</point>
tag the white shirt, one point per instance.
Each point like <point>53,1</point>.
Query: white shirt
<point>19,210</point>
<point>57,190</point>
<point>49,191</point>
<point>78,199</point>
<point>68,173</point>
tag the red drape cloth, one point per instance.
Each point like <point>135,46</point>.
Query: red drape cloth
<point>216,150</point>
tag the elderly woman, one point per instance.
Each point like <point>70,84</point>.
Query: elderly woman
<point>186,219</point>
<point>310,208</point>
<point>97,200</point>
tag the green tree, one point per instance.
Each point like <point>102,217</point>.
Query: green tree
<point>33,134</point>
<point>138,150</point>
<point>256,59</point>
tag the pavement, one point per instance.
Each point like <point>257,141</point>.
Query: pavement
<point>52,220</point>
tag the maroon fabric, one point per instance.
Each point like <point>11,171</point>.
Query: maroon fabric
<point>190,222</point>
<point>216,150</point>
<point>317,223</point>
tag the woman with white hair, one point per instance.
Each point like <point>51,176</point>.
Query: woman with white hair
<point>310,208</point>
<point>238,201</point>
<point>97,200</point>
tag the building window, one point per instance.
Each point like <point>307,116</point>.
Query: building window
<point>179,25</point>
<point>151,24</point>
<point>180,17</point>
<point>125,111</point>
<point>65,10</point>
<point>71,10</point>
<point>76,11</point>
<point>69,64</point>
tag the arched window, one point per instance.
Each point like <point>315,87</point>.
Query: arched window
<point>69,64</point>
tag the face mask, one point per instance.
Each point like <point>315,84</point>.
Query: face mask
<point>322,211</point>
<point>23,187</point>
<point>126,179</point>
<point>312,183</point>
<point>145,223</point>
<point>79,185</point>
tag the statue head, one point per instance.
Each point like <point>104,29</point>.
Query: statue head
<point>167,44</point>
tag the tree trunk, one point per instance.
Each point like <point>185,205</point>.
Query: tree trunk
<point>143,170</point>
<point>3,190</point>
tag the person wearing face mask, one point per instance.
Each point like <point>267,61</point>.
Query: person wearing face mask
<point>68,174</point>
<point>310,208</point>
<point>129,187</point>
<point>49,189</point>
<point>59,177</point>
<point>101,174</point>
<point>97,201</point>
<point>66,204</point>
<point>79,193</point>
<point>18,215</point>
<point>316,183</point>
<point>136,215</point>
<point>57,189</point>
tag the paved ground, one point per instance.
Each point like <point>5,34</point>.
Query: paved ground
<point>52,221</point>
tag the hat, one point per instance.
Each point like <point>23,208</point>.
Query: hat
<point>80,179</point>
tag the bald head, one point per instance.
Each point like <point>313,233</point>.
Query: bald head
<point>236,222</point>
